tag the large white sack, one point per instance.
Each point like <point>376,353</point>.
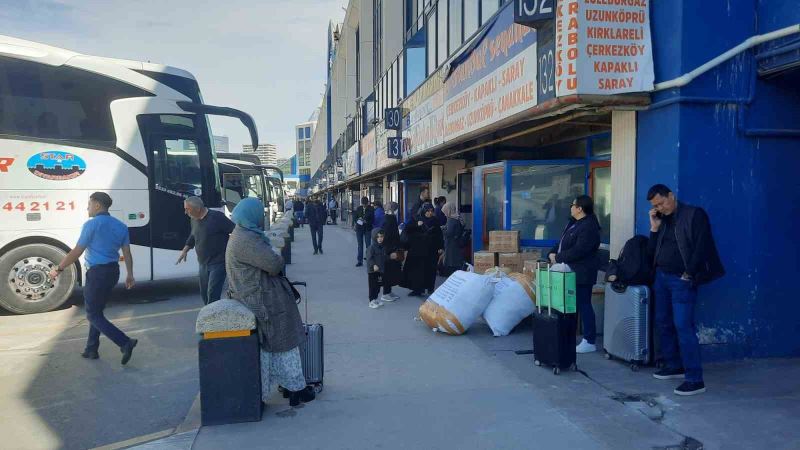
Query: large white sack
<point>458,302</point>
<point>513,301</point>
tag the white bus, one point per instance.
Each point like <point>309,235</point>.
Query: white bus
<point>72,124</point>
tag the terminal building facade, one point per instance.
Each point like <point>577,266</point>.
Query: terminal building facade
<point>511,112</point>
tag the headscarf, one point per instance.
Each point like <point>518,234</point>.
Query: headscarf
<point>392,208</point>
<point>450,211</point>
<point>429,222</point>
<point>249,214</point>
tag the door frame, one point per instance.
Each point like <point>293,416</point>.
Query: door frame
<point>491,171</point>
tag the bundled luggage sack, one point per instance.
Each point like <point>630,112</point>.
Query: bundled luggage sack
<point>312,349</point>
<point>513,301</point>
<point>553,331</point>
<point>457,303</point>
<point>627,329</point>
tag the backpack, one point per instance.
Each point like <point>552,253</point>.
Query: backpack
<point>633,265</point>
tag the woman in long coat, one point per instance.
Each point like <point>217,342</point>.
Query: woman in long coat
<point>434,238</point>
<point>416,243</point>
<point>453,251</point>
<point>391,244</point>
<point>255,279</point>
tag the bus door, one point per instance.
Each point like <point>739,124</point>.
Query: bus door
<point>180,165</point>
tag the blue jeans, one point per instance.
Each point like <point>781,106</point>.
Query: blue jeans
<point>212,278</point>
<point>100,280</point>
<point>583,300</point>
<point>364,238</point>
<point>675,300</point>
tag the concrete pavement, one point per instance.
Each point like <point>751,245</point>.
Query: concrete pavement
<point>392,383</point>
<point>52,398</point>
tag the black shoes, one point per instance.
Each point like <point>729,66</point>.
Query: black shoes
<point>668,374</point>
<point>90,354</point>
<point>690,388</point>
<point>127,350</point>
<point>359,264</point>
<point>415,294</point>
<point>321,252</point>
<point>305,396</point>
<point>315,252</point>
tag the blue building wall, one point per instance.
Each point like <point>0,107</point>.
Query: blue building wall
<point>729,142</point>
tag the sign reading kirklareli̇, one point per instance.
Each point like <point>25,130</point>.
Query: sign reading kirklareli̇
<point>603,47</point>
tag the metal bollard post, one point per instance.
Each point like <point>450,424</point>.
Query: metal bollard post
<point>229,362</point>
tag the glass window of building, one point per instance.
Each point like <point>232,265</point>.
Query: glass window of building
<point>441,38</point>
<point>415,68</point>
<point>431,43</point>
<point>488,8</point>
<point>541,196</point>
<point>471,18</point>
<point>401,81</point>
<point>601,194</point>
<point>456,37</point>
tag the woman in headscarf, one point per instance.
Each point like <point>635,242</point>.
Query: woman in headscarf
<point>434,238</point>
<point>453,247</point>
<point>415,241</point>
<point>391,245</point>
<point>255,277</point>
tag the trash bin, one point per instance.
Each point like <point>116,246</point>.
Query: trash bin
<point>229,362</point>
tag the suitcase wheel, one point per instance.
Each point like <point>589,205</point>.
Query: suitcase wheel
<point>574,367</point>
<point>556,371</point>
<point>608,355</point>
<point>536,363</point>
<point>634,367</point>
<point>318,388</point>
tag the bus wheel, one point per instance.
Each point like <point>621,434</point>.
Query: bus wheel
<point>26,287</point>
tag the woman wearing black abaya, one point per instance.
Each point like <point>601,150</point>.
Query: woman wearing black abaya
<point>435,242</point>
<point>392,273</point>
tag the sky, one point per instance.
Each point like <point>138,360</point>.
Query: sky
<point>265,57</point>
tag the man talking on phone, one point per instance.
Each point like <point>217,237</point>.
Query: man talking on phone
<point>684,256</point>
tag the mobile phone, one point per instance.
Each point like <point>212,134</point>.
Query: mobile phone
<point>659,215</point>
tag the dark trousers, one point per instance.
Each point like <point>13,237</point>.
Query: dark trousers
<point>363,236</point>
<point>583,300</point>
<point>431,271</point>
<point>316,236</point>
<point>100,280</point>
<point>675,301</point>
<point>375,280</point>
<point>333,216</point>
<point>212,278</point>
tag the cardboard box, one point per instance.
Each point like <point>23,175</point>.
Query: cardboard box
<point>511,261</point>
<point>529,270</point>
<point>504,241</point>
<point>531,255</point>
<point>484,261</point>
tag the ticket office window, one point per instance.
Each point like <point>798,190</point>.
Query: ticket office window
<point>541,195</point>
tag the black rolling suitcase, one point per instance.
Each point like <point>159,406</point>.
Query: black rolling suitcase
<point>312,349</point>
<point>553,337</point>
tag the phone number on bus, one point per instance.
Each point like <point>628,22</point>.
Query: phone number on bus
<point>39,206</point>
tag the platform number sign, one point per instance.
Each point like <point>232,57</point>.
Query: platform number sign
<point>532,11</point>
<point>394,147</point>
<point>393,118</point>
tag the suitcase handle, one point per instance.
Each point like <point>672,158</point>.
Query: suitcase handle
<point>305,291</point>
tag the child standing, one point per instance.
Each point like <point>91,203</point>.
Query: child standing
<point>376,263</point>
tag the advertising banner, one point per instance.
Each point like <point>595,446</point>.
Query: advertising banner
<point>368,161</point>
<point>603,47</point>
<point>351,161</point>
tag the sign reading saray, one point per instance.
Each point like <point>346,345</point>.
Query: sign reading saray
<point>603,47</point>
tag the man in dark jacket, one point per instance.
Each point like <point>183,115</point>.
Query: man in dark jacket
<point>316,217</point>
<point>684,256</point>
<point>362,221</point>
<point>413,213</point>
<point>210,233</point>
<point>578,248</point>
<point>299,210</point>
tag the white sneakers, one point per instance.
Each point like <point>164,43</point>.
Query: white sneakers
<point>389,297</point>
<point>375,304</point>
<point>585,347</point>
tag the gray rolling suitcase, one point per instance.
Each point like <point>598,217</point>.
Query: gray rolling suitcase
<point>627,330</point>
<point>312,349</point>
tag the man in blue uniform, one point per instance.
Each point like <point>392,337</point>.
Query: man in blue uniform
<point>102,237</point>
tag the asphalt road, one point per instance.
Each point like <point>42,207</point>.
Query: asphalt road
<point>50,397</point>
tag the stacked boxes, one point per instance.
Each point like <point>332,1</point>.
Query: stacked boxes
<point>512,261</point>
<point>504,241</point>
<point>484,261</point>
